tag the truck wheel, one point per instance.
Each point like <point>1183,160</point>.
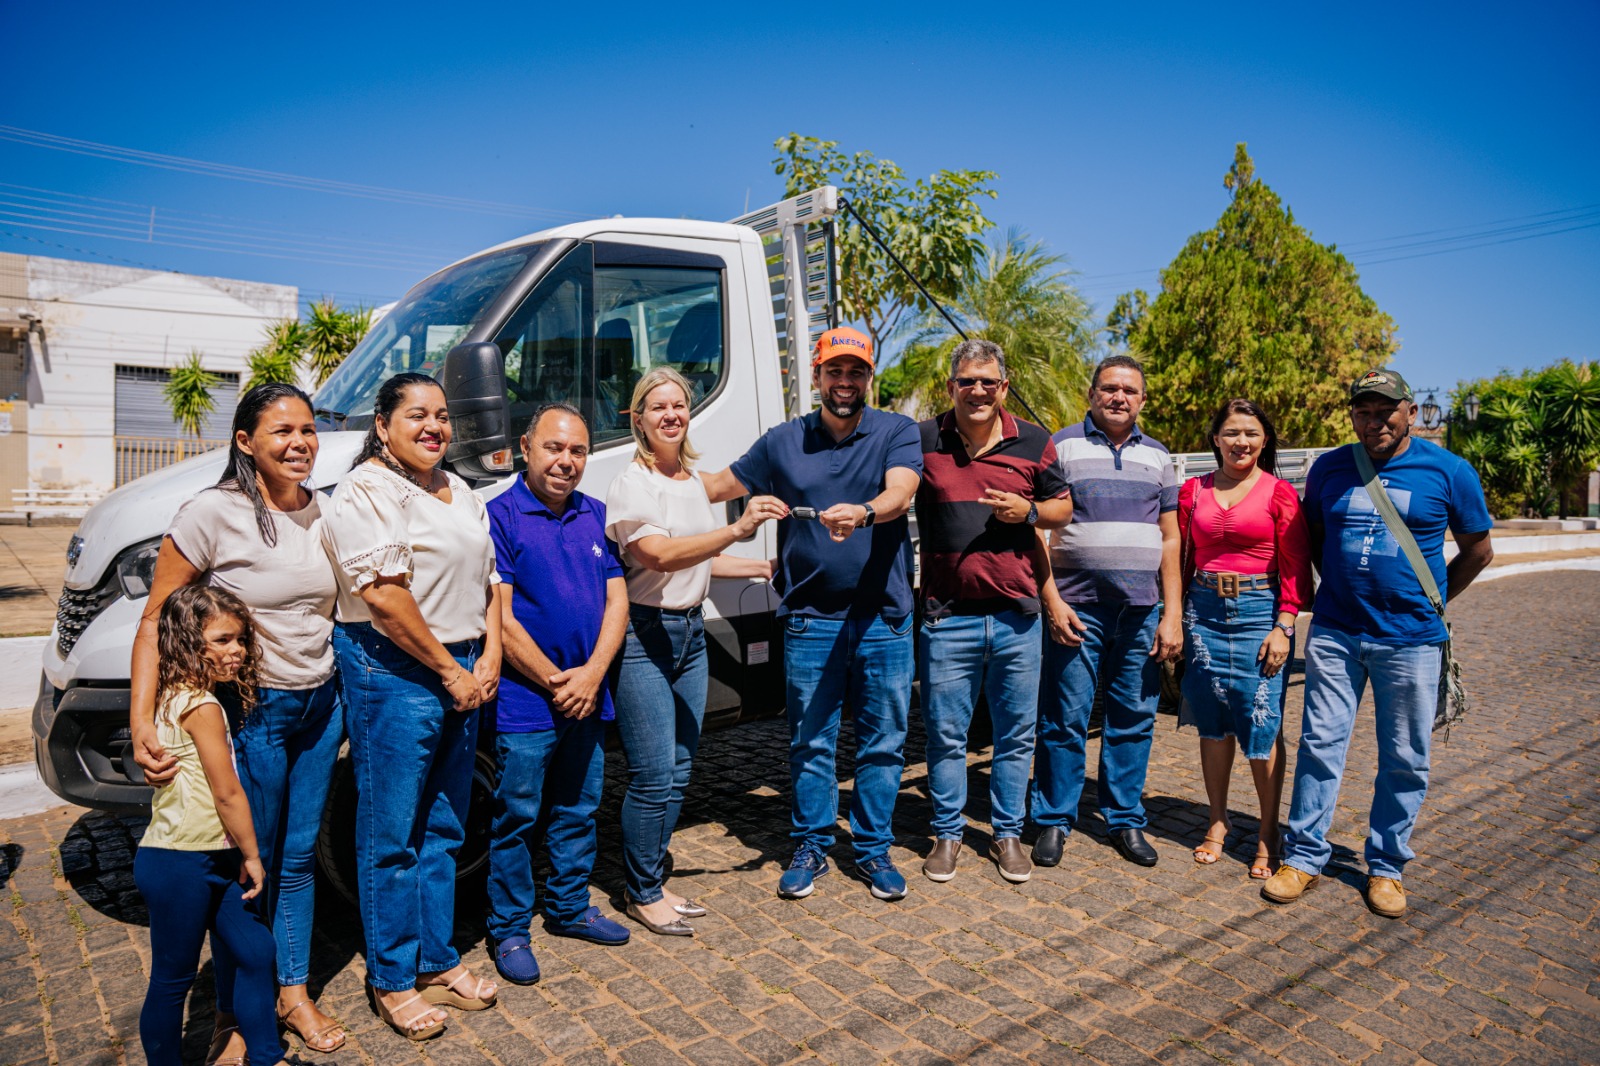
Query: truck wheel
<point>336,844</point>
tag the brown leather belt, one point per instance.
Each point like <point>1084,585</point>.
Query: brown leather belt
<point>1230,585</point>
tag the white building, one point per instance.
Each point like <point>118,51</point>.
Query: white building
<point>85,349</point>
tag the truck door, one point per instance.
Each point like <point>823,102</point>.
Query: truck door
<point>586,333</point>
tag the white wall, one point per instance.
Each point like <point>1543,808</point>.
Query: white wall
<point>95,317</point>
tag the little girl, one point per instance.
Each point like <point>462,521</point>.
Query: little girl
<point>197,866</point>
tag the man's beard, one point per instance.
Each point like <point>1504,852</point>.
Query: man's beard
<point>845,410</point>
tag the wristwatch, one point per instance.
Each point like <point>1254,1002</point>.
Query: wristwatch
<point>1033,513</point>
<point>1287,628</point>
<point>872,516</point>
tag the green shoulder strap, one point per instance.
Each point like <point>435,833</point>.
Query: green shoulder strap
<point>1397,526</point>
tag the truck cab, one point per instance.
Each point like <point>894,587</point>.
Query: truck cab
<point>575,313</point>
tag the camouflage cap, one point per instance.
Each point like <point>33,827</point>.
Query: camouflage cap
<point>1382,381</point>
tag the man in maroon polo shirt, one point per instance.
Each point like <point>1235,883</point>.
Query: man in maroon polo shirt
<point>989,482</point>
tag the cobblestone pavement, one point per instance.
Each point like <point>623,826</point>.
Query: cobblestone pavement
<point>1096,960</point>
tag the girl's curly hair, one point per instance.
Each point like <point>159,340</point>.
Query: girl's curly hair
<point>181,641</point>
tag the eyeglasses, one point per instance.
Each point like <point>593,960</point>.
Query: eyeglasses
<point>987,384</point>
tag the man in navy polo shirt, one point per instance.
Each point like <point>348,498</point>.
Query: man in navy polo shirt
<point>564,611</point>
<point>989,480</point>
<point>845,578</point>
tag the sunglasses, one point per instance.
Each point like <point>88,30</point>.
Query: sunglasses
<point>987,384</point>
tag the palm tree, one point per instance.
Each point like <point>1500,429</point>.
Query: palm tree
<point>278,359</point>
<point>1020,297</point>
<point>1568,396</point>
<point>188,394</point>
<point>330,332</point>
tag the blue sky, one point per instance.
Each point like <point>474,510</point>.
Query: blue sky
<point>1110,129</point>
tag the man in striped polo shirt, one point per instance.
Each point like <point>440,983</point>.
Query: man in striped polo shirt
<point>989,480</point>
<point>1114,566</point>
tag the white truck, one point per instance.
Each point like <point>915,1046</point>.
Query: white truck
<point>575,313</point>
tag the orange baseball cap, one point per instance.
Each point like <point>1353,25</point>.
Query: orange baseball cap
<point>842,341</point>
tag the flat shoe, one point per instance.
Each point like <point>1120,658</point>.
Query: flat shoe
<point>690,909</point>
<point>676,927</point>
<point>514,960</point>
<point>592,926</point>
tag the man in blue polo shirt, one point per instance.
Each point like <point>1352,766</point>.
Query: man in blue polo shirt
<point>1372,621</point>
<point>845,578</point>
<point>1115,565</point>
<point>564,611</point>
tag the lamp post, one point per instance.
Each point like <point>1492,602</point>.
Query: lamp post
<point>1432,417</point>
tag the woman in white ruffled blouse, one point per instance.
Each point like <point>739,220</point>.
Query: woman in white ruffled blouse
<point>418,652</point>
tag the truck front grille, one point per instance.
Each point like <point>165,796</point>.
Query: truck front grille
<point>78,608</point>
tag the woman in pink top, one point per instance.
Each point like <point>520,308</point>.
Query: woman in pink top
<point>1247,571</point>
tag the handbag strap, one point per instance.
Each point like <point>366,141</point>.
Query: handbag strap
<point>1397,526</point>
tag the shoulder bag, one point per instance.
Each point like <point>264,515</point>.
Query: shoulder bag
<point>1452,704</point>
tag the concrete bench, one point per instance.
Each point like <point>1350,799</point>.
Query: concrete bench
<point>67,503</point>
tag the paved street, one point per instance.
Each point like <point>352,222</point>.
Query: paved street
<point>1094,961</point>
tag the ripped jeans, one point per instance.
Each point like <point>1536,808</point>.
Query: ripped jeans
<point>1225,692</point>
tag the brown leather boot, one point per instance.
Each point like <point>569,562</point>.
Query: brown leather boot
<point>1288,884</point>
<point>1386,897</point>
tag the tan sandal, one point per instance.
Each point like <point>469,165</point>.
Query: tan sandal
<point>408,1027</point>
<point>219,1043</point>
<point>1203,853</point>
<point>449,994</point>
<point>317,1040</point>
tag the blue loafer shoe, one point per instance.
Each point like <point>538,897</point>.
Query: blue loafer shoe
<point>885,880</point>
<point>514,961</point>
<point>592,926</point>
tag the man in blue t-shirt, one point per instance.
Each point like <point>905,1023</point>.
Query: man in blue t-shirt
<point>845,577</point>
<point>564,611</point>
<point>1372,621</point>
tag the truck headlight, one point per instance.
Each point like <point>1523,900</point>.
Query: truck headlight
<point>136,569</point>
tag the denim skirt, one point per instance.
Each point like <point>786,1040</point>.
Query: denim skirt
<point>1225,691</point>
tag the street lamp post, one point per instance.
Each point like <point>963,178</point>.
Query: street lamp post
<point>1431,417</point>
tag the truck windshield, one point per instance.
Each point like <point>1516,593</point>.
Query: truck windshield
<point>415,335</point>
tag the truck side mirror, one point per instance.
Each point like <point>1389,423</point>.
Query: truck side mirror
<point>474,382</point>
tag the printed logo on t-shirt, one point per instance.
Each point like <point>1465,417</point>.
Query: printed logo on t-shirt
<point>595,547</point>
<point>1365,535</point>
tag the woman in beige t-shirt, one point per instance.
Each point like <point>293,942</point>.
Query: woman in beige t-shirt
<point>671,540</point>
<point>258,535</point>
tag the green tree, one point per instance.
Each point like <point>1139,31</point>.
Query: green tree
<point>1253,307</point>
<point>935,226</point>
<point>328,335</point>
<point>188,394</point>
<point>278,359</point>
<point>1536,438</point>
<point>1021,297</point>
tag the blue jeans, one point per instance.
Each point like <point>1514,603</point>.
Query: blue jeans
<point>285,752</point>
<point>557,773</point>
<point>1405,688</point>
<point>413,758</point>
<point>1224,689</point>
<point>867,664</point>
<point>1116,643</point>
<point>188,894</point>
<point>661,702</point>
<point>959,658</point>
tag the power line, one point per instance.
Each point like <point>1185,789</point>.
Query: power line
<point>186,165</point>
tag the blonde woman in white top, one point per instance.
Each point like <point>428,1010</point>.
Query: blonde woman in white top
<point>418,652</point>
<point>671,541</point>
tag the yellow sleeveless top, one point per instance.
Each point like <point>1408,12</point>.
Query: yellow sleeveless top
<point>183,816</point>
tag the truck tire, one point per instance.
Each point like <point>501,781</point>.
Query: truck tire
<point>336,843</point>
